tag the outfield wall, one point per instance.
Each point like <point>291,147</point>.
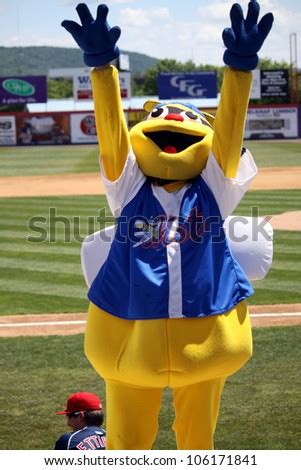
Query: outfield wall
<point>78,127</point>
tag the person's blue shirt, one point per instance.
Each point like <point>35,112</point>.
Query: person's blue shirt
<point>88,438</point>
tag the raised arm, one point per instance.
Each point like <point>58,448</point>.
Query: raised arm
<point>243,40</point>
<point>98,42</point>
<point>112,130</point>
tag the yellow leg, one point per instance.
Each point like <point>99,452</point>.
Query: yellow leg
<point>132,416</point>
<point>138,359</point>
<point>196,408</point>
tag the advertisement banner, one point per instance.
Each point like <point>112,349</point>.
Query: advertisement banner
<point>82,87</point>
<point>48,128</point>
<point>8,130</point>
<point>272,123</point>
<point>270,84</point>
<point>22,90</point>
<point>125,85</point>
<point>83,128</point>
<point>187,85</point>
<point>274,83</point>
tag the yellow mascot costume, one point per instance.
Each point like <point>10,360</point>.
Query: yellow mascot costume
<point>168,306</point>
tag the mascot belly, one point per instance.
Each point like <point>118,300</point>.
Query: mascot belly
<point>168,306</point>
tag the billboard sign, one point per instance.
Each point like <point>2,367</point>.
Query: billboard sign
<point>22,90</point>
<point>274,83</point>
<point>125,85</point>
<point>82,87</point>
<point>83,128</point>
<point>272,123</point>
<point>270,84</point>
<point>187,85</point>
<point>8,130</point>
<point>48,128</point>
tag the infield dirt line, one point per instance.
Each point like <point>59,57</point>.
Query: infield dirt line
<point>83,322</point>
<point>70,324</point>
<point>90,183</point>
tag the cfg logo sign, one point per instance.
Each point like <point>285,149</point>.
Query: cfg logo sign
<point>187,85</point>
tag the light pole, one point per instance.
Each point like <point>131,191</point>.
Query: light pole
<point>293,68</point>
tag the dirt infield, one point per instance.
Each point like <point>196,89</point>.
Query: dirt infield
<point>52,185</point>
<point>74,323</point>
<point>277,178</point>
<point>90,183</point>
<point>287,221</point>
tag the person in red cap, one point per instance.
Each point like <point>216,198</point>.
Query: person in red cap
<point>85,417</point>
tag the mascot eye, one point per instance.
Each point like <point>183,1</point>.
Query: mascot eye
<point>157,112</point>
<point>191,115</point>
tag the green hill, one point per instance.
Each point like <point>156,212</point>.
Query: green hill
<point>37,60</point>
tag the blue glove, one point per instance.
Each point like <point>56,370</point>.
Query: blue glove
<point>245,38</point>
<point>94,37</point>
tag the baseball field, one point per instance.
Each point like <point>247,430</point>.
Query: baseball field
<point>50,199</point>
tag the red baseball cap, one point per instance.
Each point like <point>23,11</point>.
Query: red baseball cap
<point>81,401</point>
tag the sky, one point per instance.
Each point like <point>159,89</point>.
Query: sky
<point>179,29</point>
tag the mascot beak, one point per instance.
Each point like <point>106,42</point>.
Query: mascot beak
<point>174,117</point>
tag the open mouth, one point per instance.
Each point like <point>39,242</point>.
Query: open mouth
<point>172,142</point>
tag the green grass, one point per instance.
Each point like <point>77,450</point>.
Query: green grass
<point>42,277</point>
<point>282,284</point>
<point>48,160</point>
<point>279,153</point>
<point>260,405</point>
<point>60,159</point>
<point>45,276</point>
<point>269,202</point>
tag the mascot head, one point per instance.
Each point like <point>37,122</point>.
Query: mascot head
<point>173,142</point>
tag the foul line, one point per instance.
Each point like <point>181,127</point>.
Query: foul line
<point>83,322</point>
<point>45,323</point>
